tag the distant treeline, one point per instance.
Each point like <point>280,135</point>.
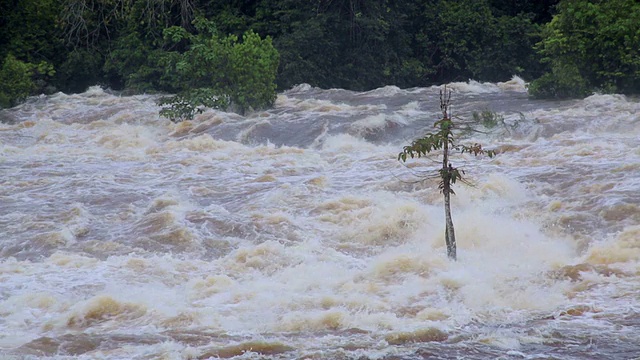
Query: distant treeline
<point>570,46</point>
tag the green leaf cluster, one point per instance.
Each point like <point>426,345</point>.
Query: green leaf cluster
<point>16,81</point>
<point>191,102</point>
<point>449,175</point>
<point>430,141</point>
<point>443,140</point>
<point>591,46</point>
<point>220,72</point>
<point>488,118</point>
<point>20,79</point>
<point>436,141</point>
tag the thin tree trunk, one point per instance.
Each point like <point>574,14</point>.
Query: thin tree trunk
<point>449,232</point>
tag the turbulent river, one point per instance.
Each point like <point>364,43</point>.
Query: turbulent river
<point>295,233</point>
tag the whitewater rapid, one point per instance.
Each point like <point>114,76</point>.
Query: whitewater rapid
<point>295,233</point>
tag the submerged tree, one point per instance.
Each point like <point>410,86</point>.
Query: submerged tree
<point>444,139</point>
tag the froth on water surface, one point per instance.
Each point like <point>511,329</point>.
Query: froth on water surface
<point>295,233</point>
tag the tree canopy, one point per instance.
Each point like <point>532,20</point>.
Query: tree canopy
<point>570,46</point>
<point>591,45</point>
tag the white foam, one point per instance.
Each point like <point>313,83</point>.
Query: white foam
<point>370,123</point>
<point>515,84</point>
<point>384,91</point>
<point>94,91</point>
<point>300,88</point>
<point>345,142</point>
<point>473,87</point>
<point>258,241</point>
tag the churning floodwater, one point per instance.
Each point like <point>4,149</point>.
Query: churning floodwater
<point>295,233</point>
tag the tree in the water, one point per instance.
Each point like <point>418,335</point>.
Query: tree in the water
<point>444,139</point>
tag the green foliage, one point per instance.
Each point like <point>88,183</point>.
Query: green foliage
<point>564,81</point>
<point>204,68</point>
<point>591,45</point>
<point>309,53</point>
<point>488,118</point>
<point>431,141</point>
<point>220,72</point>
<point>362,45</point>
<point>81,68</point>
<point>486,40</point>
<point>140,66</point>
<point>15,80</point>
<point>540,11</point>
<point>143,46</point>
<point>189,103</point>
<point>444,137</point>
<point>251,78</point>
<point>30,33</point>
<point>20,79</point>
<point>30,29</point>
<point>465,30</point>
<point>117,43</point>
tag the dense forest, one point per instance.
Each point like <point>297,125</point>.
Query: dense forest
<point>241,52</point>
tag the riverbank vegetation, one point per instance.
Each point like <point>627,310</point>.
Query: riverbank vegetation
<point>590,45</point>
<point>239,53</point>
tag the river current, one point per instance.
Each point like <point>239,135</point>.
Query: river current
<point>295,233</point>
